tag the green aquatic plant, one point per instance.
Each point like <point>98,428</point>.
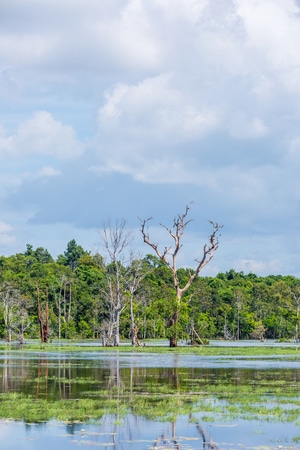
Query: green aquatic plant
<point>78,389</point>
<point>224,402</point>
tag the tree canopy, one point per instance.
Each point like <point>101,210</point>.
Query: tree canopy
<point>231,305</point>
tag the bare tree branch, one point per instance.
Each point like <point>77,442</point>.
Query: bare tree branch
<point>115,239</point>
<point>176,232</point>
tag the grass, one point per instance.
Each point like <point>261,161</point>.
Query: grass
<point>207,350</point>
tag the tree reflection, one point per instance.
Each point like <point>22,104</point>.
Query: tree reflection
<point>168,443</point>
<point>208,443</point>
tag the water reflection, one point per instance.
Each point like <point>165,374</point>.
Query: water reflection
<point>66,376</point>
<point>136,433</point>
<point>151,400</point>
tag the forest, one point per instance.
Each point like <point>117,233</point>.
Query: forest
<point>87,296</point>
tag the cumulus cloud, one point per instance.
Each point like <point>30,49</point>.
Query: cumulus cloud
<point>161,102</point>
<point>230,88</point>
<point>44,136</point>
<point>279,44</point>
<point>154,103</point>
<point>151,115</point>
<point>190,10</point>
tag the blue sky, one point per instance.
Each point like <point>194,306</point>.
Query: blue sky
<point>119,109</point>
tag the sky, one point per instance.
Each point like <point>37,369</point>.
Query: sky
<point>128,109</point>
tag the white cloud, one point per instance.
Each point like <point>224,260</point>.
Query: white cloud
<point>41,135</point>
<point>149,115</point>
<point>273,34</point>
<point>5,227</point>
<point>122,33</point>
<point>132,36</point>
<point>263,89</point>
<point>190,10</point>
<point>291,166</point>
<point>155,132</point>
<point>48,171</point>
<point>25,49</point>
<point>259,267</point>
<point>176,100</point>
<point>167,171</point>
<point>242,127</point>
<point>7,239</point>
<point>157,108</point>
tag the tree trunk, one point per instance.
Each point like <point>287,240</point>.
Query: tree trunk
<point>173,341</point>
<point>70,301</point>
<point>297,324</point>
<point>116,340</point>
<point>132,333</point>
<point>173,323</point>
<point>21,334</point>
<point>7,321</point>
<point>134,337</point>
<point>8,336</point>
<point>117,329</point>
<point>43,321</point>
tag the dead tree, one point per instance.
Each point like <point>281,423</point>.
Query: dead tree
<point>43,316</point>
<point>134,277</point>
<point>10,299</point>
<point>296,296</point>
<point>134,336</point>
<point>115,239</point>
<point>22,319</point>
<point>169,257</point>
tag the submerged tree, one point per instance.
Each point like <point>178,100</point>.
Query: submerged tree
<point>43,316</point>
<point>134,277</point>
<point>22,320</point>
<point>296,297</point>
<point>115,239</point>
<point>15,308</point>
<point>168,256</point>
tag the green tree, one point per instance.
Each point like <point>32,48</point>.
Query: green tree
<point>89,279</point>
<point>72,254</point>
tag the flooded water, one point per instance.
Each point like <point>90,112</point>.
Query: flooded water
<point>148,401</point>
<point>137,433</point>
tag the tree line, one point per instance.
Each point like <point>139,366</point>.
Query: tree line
<point>120,295</point>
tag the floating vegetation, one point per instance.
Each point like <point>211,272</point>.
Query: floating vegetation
<point>36,389</point>
<point>224,401</point>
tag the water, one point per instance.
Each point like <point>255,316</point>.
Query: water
<point>171,381</point>
<point>137,433</point>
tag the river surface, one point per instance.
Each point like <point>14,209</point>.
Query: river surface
<point>205,400</point>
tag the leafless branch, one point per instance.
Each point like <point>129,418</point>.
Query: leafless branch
<point>180,223</point>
